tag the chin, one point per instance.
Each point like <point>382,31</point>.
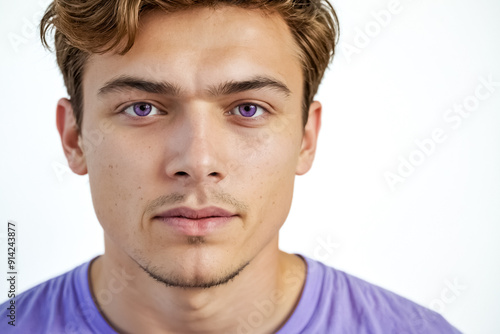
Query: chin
<point>194,268</point>
<point>202,278</point>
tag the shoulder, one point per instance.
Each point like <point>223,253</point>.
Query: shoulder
<point>346,304</point>
<point>55,306</point>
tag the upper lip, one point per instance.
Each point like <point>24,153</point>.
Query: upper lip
<point>189,213</point>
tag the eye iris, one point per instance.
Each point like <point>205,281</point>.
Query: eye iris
<point>247,110</point>
<point>142,109</point>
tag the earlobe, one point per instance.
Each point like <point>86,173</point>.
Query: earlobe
<point>70,137</point>
<point>309,139</point>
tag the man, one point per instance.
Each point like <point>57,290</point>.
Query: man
<point>206,114</point>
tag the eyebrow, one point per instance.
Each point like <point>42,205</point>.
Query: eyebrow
<point>124,83</point>
<point>259,82</point>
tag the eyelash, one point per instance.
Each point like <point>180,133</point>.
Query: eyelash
<point>155,111</point>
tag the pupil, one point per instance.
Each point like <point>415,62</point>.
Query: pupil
<point>142,109</point>
<point>247,110</point>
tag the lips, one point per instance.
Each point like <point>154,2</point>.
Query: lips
<point>196,222</point>
<point>189,213</point>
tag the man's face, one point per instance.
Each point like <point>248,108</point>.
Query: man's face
<point>204,111</point>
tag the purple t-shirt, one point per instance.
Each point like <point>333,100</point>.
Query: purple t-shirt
<point>331,302</point>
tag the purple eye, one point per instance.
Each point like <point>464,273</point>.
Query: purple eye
<point>248,110</point>
<point>141,109</point>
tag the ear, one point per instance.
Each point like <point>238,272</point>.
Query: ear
<point>70,137</point>
<point>309,139</point>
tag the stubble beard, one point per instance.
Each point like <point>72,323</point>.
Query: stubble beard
<point>175,280</point>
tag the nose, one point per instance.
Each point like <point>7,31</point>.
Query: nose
<point>197,147</point>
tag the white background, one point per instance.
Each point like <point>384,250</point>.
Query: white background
<point>439,227</point>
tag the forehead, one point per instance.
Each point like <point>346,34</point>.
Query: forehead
<point>197,46</point>
<point>228,23</point>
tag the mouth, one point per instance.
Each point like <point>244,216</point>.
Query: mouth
<point>192,222</point>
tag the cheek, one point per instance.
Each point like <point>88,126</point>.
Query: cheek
<point>273,148</point>
<point>116,174</point>
<point>266,174</point>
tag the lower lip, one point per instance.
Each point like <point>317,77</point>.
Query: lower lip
<point>196,227</point>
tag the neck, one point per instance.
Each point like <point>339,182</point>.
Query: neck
<point>261,297</point>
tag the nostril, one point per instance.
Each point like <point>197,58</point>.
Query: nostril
<point>181,173</point>
<point>213,174</point>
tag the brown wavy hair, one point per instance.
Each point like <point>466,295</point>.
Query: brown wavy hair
<point>84,27</point>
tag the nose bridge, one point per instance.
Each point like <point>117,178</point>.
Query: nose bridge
<point>198,142</point>
<point>197,150</point>
<point>199,124</point>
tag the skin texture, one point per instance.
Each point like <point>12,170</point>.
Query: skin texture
<point>195,152</point>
